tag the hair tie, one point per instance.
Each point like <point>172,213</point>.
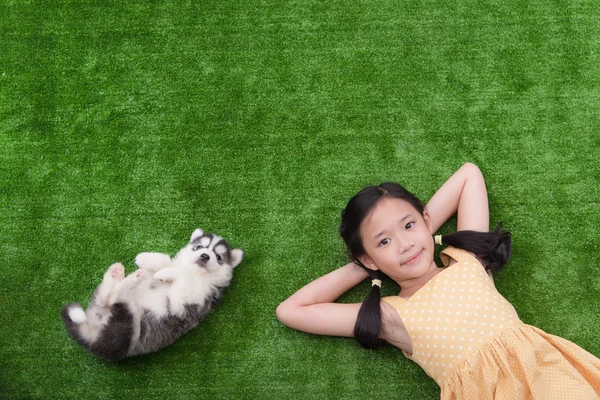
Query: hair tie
<point>438,239</point>
<point>376,282</point>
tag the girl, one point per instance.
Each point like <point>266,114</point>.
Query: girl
<point>451,321</point>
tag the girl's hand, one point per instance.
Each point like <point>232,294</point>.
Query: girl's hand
<point>465,193</point>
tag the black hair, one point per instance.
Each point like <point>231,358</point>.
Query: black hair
<point>492,249</point>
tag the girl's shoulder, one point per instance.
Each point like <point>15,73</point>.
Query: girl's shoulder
<point>451,255</point>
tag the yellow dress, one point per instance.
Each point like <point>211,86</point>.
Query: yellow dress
<point>470,340</point>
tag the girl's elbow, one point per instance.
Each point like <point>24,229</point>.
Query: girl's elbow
<point>471,167</point>
<point>472,172</point>
<point>283,312</point>
<point>291,315</point>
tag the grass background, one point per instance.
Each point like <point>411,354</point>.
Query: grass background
<point>125,125</point>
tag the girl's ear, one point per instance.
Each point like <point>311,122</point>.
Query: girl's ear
<point>427,219</point>
<point>368,263</point>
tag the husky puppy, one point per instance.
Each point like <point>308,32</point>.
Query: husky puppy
<point>151,308</point>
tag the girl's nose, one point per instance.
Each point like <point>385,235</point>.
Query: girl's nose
<point>405,245</point>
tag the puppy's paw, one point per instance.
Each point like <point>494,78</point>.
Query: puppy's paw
<point>144,260</point>
<point>152,261</point>
<point>164,275</point>
<point>116,271</point>
<point>139,275</point>
<point>133,279</point>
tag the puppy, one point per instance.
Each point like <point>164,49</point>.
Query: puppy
<point>151,308</point>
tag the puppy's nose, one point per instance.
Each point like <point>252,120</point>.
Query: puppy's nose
<point>205,257</point>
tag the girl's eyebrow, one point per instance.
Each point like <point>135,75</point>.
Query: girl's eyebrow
<point>384,231</point>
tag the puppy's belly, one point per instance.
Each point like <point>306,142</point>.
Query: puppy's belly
<point>154,297</point>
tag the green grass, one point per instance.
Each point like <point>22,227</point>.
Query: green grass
<point>124,126</point>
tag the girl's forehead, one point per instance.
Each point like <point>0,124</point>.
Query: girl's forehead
<point>387,211</point>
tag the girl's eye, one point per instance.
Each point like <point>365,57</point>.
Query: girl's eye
<point>384,242</point>
<point>410,225</point>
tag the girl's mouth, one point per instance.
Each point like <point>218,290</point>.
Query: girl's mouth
<point>415,258</point>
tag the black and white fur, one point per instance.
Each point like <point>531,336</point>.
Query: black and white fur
<point>151,308</point>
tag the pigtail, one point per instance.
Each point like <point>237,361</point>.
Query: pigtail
<point>368,321</point>
<point>493,249</point>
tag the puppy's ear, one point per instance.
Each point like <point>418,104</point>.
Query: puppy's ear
<point>236,257</point>
<point>196,234</point>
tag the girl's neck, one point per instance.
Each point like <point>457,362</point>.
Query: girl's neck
<point>412,286</point>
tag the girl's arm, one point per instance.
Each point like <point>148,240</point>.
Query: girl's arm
<point>312,308</point>
<point>465,193</point>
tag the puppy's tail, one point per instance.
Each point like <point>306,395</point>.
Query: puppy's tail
<point>74,313</point>
<point>75,321</point>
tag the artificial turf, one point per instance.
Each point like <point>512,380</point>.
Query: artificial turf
<point>126,125</point>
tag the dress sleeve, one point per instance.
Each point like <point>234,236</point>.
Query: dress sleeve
<point>450,253</point>
<point>459,255</point>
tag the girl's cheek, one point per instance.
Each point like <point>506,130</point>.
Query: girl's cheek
<point>389,252</point>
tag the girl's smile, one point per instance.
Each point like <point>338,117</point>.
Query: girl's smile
<point>414,258</point>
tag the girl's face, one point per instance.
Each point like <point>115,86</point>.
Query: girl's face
<point>397,240</point>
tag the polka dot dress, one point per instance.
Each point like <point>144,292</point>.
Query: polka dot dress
<point>470,340</point>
